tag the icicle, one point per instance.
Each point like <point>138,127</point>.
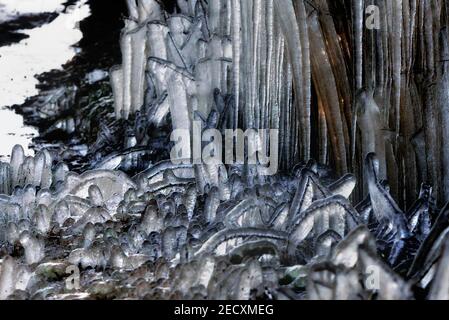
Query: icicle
<point>270,61</point>
<point>184,6</point>
<point>127,57</point>
<point>211,205</point>
<point>323,134</point>
<point>139,59</point>
<point>384,207</point>
<point>288,20</point>
<point>5,178</point>
<point>205,79</point>
<point>26,172</point>
<point>132,9</point>
<point>60,172</point>
<point>303,196</point>
<point>178,35</point>
<point>370,125</point>
<point>306,81</point>
<point>149,10</point>
<point>397,60</point>
<point>34,247</point>
<point>17,158</point>
<point>47,175</point>
<point>116,78</point>
<point>358,15</point>
<point>42,219</point>
<point>178,95</point>
<point>39,162</point>
<point>214,16</point>
<point>442,92</point>
<point>254,93</point>
<point>157,40</point>
<point>13,276</point>
<point>236,56</point>
<point>328,93</point>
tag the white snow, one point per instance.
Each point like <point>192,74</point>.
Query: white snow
<point>48,47</point>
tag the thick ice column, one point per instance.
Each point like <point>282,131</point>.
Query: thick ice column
<point>157,40</point>
<point>126,48</point>
<point>128,80</point>
<point>17,158</point>
<point>180,87</point>
<point>194,49</point>
<point>179,26</point>
<point>397,61</point>
<point>370,125</point>
<point>219,51</point>
<point>287,18</point>
<point>149,10</point>
<point>358,14</point>
<point>133,9</point>
<point>205,83</point>
<point>139,61</point>
<point>236,56</point>
<point>116,79</point>
<point>5,178</point>
<point>328,93</point>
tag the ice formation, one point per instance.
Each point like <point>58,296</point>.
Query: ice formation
<point>357,98</point>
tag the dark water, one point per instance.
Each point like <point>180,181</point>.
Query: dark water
<point>49,32</point>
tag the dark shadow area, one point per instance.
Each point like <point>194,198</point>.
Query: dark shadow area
<point>9,30</point>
